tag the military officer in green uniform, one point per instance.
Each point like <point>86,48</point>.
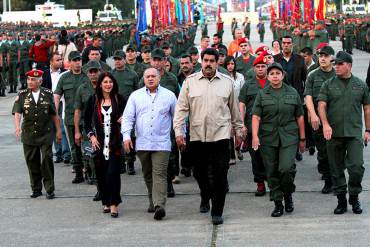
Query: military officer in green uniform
<point>342,99</point>
<point>194,54</point>
<point>93,70</point>
<point>95,55</point>
<point>349,34</point>
<point>2,80</point>
<point>13,59</point>
<point>247,28</point>
<point>128,82</point>
<point>145,55</point>
<point>247,97</point>
<point>68,84</point>
<point>24,65</point>
<point>132,62</point>
<point>261,30</point>
<point>4,51</point>
<point>277,127</point>
<point>175,63</point>
<point>314,81</point>
<point>36,105</point>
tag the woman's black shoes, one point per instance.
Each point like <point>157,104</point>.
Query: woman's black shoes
<point>278,210</point>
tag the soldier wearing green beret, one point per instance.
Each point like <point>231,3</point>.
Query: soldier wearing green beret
<point>67,86</point>
<point>342,100</point>
<point>35,104</point>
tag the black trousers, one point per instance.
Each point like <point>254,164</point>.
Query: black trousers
<point>258,167</point>
<point>109,179</point>
<point>211,164</point>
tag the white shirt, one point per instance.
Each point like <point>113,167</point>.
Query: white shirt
<point>36,95</point>
<point>238,84</point>
<point>54,78</point>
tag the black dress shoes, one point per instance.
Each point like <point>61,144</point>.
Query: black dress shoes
<point>159,213</point>
<point>278,210</point>
<point>131,168</point>
<point>170,190</point>
<point>78,180</point>
<point>217,220</point>
<point>36,194</point>
<point>204,207</point>
<point>114,215</point>
<point>50,196</point>
<point>58,160</point>
<point>327,187</point>
<point>123,168</point>
<point>97,197</point>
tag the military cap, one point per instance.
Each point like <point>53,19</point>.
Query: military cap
<point>243,40</point>
<point>275,66</point>
<point>158,53</point>
<point>92,64</point>
<point>119,54</point>
<point>74,55</point>
<point>130,47</point>
<point>222,51</point>
<point>193,50</point>
<point>261,49</point>
<point>166,45</point>
<point>146,49</point>
<point>328,50</point>
<point>260,60</point>
<point>343,57</point>
<point>35,73</point>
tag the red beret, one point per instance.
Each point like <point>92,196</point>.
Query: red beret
<point>321,45</point>
<point>266,53</point>
<point>261,49</point>
<point>259,60</point>
<point>242,40</point>
<point>35,73</point>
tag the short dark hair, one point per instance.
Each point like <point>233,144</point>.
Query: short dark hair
<point>94,49</point>
<point>307,50</point>
<point>210,51</point>
<point>204,37</point>
<point>186,56</point>
<point>287,37</point>
<point>217,35</point>
<point>54,54</point>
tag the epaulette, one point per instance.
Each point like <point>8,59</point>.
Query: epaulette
<point>47,90</point>
<point>22,91</point>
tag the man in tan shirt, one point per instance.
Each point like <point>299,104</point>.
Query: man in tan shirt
<point>207,98</point>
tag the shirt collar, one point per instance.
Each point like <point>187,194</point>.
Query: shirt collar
<point>148,92</point>
<point>201,75</point>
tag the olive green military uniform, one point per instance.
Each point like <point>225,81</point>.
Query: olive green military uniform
<point>13,49</point>
<point>128,82</point>
<point>82,96</point>
<point>67,86</point>
<point>24,64</point>
<point>37,136</point>
<point>4,51</point>
<point>345,99</point>
<point>175,65</point>
<point>349,34</point>
<point>243,67</point>
<point>138,68</point>
<point>278,133</point>
<point>247,30</point>
<point>197,67</point>
<point>314,81</point>
<point>247,96</point>
<point>104,67</point>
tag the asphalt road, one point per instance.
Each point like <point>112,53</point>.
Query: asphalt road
<point>73,219</point>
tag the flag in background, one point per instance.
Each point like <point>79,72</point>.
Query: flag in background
<point>141,25</point>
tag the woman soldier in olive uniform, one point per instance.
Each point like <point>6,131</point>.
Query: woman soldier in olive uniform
<point>278,114</point>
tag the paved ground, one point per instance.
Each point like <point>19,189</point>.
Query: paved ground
<point>73,219</point>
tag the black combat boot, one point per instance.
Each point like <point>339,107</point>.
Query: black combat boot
<point>204,206</point>
<point>10,89</point>
<point>14,89</point>
<point>278,210</point>
<point>2,92</point>
<point>327,187</point>
<point>289,205</point>
<point>356,205</point>
<point>170,190</point>
<point>342,204</point>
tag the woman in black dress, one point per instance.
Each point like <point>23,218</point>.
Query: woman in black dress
<point>103,124</point>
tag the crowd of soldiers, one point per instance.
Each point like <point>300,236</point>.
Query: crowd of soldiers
<point>16,41</point>
<point>352,31</point>
<point>182,65</point>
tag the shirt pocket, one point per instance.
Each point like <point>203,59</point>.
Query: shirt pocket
<point>290,105</point>
<point>196,128</point>
<point>358,93</point>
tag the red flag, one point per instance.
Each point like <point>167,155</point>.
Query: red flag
<point>320,10</point>
<point>219,11</point>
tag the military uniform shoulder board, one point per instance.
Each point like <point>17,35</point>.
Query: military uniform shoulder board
<point>22,91</point>
<point>46,90</point>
